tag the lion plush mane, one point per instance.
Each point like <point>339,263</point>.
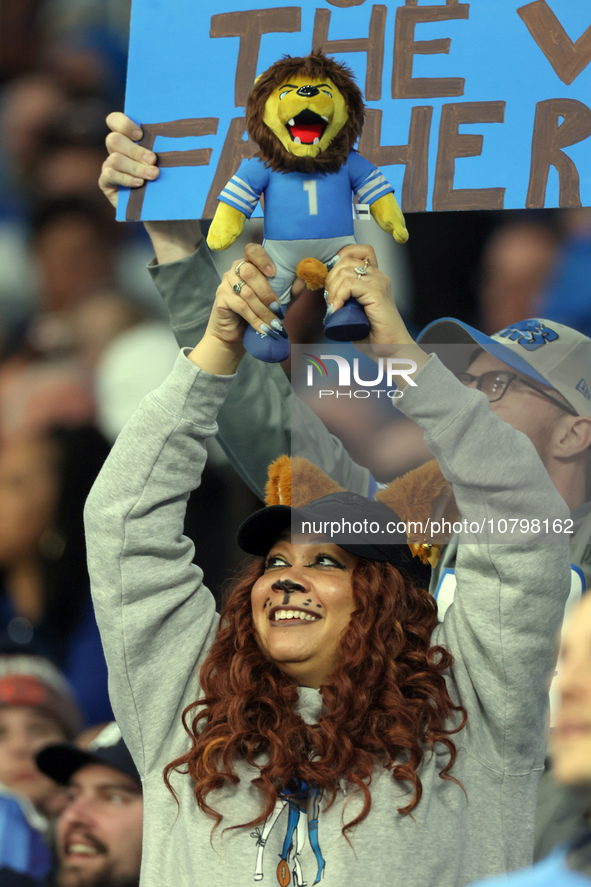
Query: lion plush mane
<point>316,66</point>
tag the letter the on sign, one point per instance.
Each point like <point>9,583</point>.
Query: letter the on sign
<point>550,135</point>
<point>414,155</point>
<point>452,144</point>
<point>404,85</point>
<point>250,25</point>
<point>174,129</point>
<point>372,45</point>
<point>567,58</point>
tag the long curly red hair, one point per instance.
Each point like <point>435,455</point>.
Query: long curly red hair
<point>386,703</point>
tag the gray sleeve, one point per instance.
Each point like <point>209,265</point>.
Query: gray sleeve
<point>255,424</point>
<point>509,601</point>
<point>156,617</point>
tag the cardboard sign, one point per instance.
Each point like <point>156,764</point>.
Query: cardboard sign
<point>481,105</point>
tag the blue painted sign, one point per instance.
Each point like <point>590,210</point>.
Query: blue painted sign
<point>481,105</point>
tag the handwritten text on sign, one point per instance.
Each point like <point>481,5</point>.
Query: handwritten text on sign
<point>475,105</point>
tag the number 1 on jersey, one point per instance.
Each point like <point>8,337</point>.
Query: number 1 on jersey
<point>310,187</point>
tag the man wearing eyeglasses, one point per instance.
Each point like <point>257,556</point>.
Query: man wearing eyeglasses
<point>536,375</point>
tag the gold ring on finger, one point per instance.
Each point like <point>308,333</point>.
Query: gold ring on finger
<point>238,266</point>
<point>238,286</point>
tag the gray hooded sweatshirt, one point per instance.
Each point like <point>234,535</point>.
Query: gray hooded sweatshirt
<point>158,621</point>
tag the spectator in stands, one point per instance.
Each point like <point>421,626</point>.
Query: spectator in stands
<point>99,833</point>
<point>515,264</point>
<point>569,865</point>
<point>45,604</point>
<point>567,294</point>
<point>36,707</point>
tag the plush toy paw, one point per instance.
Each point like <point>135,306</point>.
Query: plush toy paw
<point>389,217</point>
<point>266,348</point>
<point>400,233</point>
<point>219,241</point>
<point>348,324</point>
<point>226,226</point>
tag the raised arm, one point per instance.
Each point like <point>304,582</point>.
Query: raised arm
<point>511,585</point>
<point>510,596</point>
<point>255,424</point>
<point>157,619</point>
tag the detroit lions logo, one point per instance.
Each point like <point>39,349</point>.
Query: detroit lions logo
<point>530,334</point>
<point>583,388</point>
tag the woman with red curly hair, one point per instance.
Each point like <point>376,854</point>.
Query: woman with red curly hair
<point>326,726</point>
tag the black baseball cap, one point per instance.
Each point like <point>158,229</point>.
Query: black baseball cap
<point>362,526</point>
<point>61,760</point>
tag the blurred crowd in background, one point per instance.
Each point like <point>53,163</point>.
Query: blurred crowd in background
<point>83,334</point>
<point>79,313</point>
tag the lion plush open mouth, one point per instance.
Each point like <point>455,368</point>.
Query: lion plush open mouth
<point>307,128</point>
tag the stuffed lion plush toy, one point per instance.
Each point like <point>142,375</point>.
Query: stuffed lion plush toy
<point>305,114</point>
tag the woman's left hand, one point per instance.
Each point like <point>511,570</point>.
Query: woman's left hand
<point>372,290</point>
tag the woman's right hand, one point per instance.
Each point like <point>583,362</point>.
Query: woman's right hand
<point>130,165</point>
<point>220,350</point>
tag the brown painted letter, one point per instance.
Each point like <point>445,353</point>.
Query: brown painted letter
<point>452,144</point>
<point>550,135</point>
<point>567,58</point>
<point>404,85</point>
<point>250,25</point>
<point>414,156</point>
<point>235,150</point>
<point>345,4</point>
<point>372,45</point>
<point>174,129</point>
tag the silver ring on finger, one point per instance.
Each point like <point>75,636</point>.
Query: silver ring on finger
<point>361,272</point>
<point>238,286</point>
<point>238,266</point>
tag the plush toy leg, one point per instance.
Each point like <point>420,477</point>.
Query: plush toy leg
<point>267,348</point>
<point>348,324</point>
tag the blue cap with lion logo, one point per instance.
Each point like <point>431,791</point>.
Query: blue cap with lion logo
<point>544,351</point>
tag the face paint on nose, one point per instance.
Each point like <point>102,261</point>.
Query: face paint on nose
<point>288,588</point>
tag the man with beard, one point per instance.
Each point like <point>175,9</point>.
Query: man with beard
<point>99,833</point>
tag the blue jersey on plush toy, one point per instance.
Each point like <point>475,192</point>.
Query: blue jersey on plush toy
<point>305,206</point>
